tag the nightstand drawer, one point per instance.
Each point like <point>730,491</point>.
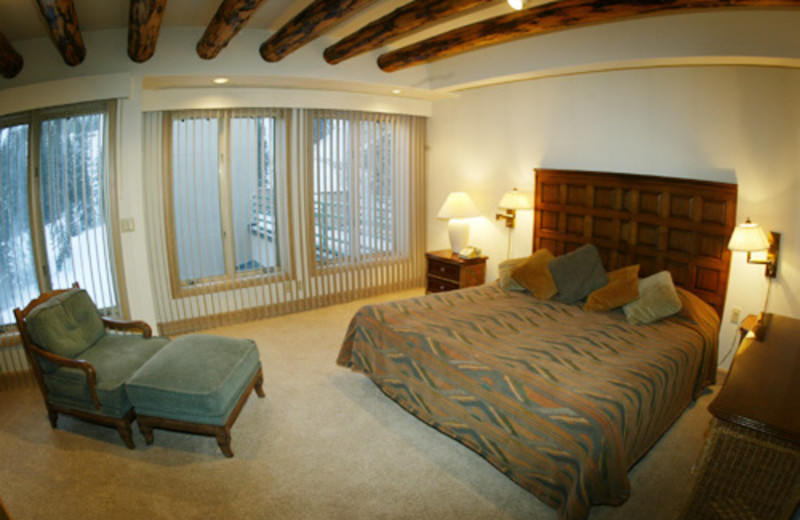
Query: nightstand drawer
<point>438,285</point>
<point>444,270</point>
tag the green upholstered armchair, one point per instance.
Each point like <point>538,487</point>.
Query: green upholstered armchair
<point>79,366</point>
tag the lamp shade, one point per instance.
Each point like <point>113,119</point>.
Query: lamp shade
<point>458,205</point>
<point>514,199</point>
<point>748,237</point>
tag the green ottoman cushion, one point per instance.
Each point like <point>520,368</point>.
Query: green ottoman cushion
<point>116,357</point>
<point>197,378</point>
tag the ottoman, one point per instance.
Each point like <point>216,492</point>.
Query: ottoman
<point>196,384</point>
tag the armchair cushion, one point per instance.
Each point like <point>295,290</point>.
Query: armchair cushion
<point>66,325</point>
<point>115,358</point>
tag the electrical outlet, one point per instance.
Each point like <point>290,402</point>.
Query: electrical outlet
<point>127,225</point>
<point>736,313</point>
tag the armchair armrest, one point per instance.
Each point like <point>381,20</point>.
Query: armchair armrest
<point>124,325</point>
<point>91,374</point>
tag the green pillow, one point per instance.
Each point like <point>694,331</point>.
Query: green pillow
<point>66,324</point>
<point>658,299</point>
<point>504,269</point>
<point>578,273</point>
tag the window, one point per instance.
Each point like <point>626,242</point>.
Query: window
<point>60,158</point>
<point>225,194</point>
<point>354,186</point>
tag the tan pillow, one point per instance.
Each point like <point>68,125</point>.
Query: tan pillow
<point>504,269</point>
<point>657,300</point>
<point>534,275</point>
<point>622,288</point>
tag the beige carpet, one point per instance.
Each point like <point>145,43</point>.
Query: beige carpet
<point>324,444</point>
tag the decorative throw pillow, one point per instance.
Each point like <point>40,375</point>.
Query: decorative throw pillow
<point>622,288</point>
<point>534,274</point>
<point>504,272</point>
<point>578,273</point>
<point>658,299</point>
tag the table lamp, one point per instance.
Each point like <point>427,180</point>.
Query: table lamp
<point>457,210</point>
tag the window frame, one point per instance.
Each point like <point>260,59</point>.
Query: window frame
<point>35,121</point>
<point>356,258</point>
<point>231,277</point>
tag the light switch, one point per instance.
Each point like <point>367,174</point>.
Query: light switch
<point>127,225</point>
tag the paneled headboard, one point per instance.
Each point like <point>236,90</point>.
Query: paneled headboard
<point>658,222</point>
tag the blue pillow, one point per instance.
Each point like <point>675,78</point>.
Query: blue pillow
<point>577,274</point>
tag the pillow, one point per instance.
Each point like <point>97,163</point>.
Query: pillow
<point>578,273</point>
<point>658,299</point>
<point>534,274</point>
<point>622,288</point>
<point>504,272</point>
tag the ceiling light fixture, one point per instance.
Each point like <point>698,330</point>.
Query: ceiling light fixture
<point>220,81</point>
<point>397,91</point>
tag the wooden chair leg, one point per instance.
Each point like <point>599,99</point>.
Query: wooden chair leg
<point>125,431</point>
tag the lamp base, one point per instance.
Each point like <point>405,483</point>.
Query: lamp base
<point>458,229</point>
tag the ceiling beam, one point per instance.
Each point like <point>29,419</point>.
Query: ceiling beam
<point>144,24</point>
<point>10,59</point>
<point>399,22</point>
<point>62,26</point>
<point>553,16</point>
<point>229,20</point>
<point>312,21</point>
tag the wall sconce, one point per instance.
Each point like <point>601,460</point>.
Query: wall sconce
<point>511,202</point>
<point>456,210</point>
<point>751,238</point>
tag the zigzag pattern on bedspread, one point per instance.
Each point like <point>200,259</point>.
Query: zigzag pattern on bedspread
<point>561,401</point>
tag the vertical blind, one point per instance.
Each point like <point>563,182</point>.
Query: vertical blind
<point>259,212</point>
<point>55,213</point>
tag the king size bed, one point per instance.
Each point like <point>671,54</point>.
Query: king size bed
<point>561,400</point>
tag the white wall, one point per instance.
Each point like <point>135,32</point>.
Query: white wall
<point>729,124</point>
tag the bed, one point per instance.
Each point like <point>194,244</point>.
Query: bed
<point>561,400</point>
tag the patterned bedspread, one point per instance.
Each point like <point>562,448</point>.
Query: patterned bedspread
<point>560,400</point>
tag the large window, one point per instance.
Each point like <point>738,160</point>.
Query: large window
<point>225,194</point>
<point>354,185</point>
<point>58,160</point>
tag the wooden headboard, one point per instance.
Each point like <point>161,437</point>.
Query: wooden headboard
<point>658,222</point>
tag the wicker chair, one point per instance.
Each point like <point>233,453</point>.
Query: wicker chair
<point>80,368</point>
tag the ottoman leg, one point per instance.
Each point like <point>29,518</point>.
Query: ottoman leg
<point>223,436</point>
<point>147,431</point>
<point>260,383</point>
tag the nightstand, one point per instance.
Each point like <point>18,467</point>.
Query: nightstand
<point>750,468</point>
<point>448,272</point>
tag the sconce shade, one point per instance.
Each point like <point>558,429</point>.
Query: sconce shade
<point>458,205</point>
<point>748,237</point>
<point>514,199</point>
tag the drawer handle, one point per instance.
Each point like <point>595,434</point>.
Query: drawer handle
<point>441,269</point>
<point>441,287</point>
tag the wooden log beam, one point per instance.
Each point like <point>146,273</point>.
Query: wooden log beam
<point>229,20</point>
<point>312,21</point>
<point>553,16</point>
<point>10,59</point>
<point>399,22</point>
<point>144,24</point>
<point>62,25</point>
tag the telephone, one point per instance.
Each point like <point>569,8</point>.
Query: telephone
<point>469,252</point>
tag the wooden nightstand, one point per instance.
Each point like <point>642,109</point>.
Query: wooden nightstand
<point>448,272</point>
<point>750,467</point>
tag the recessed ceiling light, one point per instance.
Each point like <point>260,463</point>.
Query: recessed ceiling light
<point>397,91</point>
<point>220,81</point>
